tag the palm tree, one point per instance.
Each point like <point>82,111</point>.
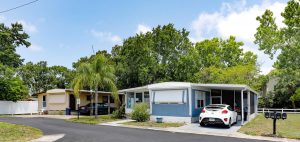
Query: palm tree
<point>99,74</point>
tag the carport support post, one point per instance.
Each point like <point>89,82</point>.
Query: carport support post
<point>248,105</point>
<point>242,106</point>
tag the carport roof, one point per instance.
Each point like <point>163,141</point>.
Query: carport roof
<point>176,85</point>
<point>226,87</point>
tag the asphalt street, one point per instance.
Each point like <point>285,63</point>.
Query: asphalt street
<point>75,132</point>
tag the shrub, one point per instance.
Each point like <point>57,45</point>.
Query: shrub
<point>119,113</point>
<point>140,112</point>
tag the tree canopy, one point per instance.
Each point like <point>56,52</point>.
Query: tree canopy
<point>167,54</point>
<point>286,42</point>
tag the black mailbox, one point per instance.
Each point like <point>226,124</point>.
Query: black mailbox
<point>272,115</point>
<point>267,115</point>
<point>278,115</point>
<point>284,116</point>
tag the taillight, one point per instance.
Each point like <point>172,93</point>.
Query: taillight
<point>203,111</point>
<point>225,111</point>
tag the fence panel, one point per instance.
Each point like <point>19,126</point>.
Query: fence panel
<point>20,107</point>
<point>279,110</point>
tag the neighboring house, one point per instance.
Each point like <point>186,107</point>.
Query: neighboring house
<point>270,85</point>
<point>183,101</point>
<point>59,99</point>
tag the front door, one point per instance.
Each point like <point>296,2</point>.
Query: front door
<point>72,102</point>
<point>216,100</point>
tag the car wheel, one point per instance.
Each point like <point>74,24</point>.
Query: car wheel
<point>202,124</point>
<point>229,124</point>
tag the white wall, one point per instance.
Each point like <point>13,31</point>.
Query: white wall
<point>20,107</point>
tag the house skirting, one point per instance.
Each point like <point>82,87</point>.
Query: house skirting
<point>172,119</point>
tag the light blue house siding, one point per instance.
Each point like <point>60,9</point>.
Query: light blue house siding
<point>196,111</point>
<point>179,110</point>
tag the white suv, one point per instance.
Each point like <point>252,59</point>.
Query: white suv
<point>218,114</point>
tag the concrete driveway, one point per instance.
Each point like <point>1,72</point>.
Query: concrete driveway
<point>216,130</point>
<point>75,132</point>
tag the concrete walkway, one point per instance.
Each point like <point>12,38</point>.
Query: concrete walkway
<point>116,123</point>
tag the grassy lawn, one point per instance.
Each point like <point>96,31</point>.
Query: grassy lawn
<point>92,119</point>
<point>289,128</point>
<point>153,124</point>
<point>12,132</point>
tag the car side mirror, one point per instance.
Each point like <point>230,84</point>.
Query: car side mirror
<point>267,115</point>
<point>284,116</point>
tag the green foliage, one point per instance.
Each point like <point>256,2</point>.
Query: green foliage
<point>296,96</point>
<point>151,57</point>
<point>271,39</point>
<point>140,112</point>
<point>119,113</point>
<point>166,54</point>
<point>12,87</point>
<point>97,75</point>
<point>10,38</point>
<point>40,78</point>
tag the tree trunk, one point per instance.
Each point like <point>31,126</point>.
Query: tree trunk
<point>96,103</point>
<point>294,105</point>
<point>108,100</point>
<point>91,110</point>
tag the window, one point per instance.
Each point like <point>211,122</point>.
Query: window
<point>200,99</point>
<point>130,99</point>
<point>88,98</point>
<point>139,97</point>
<point>44,102</point>
<point>170,96</point>
<point>105,99</point>
<point>230,108</point>
<point>146,97</point>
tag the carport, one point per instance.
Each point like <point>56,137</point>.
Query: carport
<point>240,97</point>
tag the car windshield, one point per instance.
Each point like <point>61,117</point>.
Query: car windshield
<point>214,107</point>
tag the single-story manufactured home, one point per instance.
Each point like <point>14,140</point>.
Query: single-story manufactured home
<point>57,100</point>
<point>183,101</point>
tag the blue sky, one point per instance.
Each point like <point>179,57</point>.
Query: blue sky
<point>62,31</point>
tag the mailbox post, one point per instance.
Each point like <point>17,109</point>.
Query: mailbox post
<point>275,115</point>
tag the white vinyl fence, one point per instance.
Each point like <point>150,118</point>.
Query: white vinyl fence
<point>279,110</point>
<point>20,107</point>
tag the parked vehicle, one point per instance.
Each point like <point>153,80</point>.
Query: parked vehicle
<point>102,108</point>
<point>221,114</point>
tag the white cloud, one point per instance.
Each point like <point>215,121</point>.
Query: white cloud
<point>239,20</point>
<point>106,36</point>
<point>143,29</point>
<point>28,27</point>
<point>35,48</point>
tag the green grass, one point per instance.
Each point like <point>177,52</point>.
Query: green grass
<point>6,115</point>
<point>12,133</point>
<point>92,120</point>
<point>153,124</point>
<point>289,128</point>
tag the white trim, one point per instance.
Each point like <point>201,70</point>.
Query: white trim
<point>150,100</point>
